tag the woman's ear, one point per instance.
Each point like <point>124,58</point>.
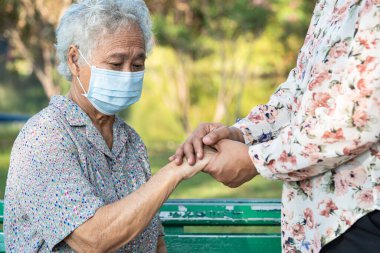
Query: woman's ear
<point>72,60</point>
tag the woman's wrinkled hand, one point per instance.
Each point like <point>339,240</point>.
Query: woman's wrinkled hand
<point>188,171</point>
<point>205,134</point>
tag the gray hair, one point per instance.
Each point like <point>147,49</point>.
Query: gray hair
<point>88,19</point>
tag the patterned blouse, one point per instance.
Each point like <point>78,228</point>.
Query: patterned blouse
<point>62,171</point>
<point>320,131</point>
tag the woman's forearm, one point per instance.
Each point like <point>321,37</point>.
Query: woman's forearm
<point>116,224</point>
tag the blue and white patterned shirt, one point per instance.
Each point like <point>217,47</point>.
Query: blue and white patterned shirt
<point>62,171</point>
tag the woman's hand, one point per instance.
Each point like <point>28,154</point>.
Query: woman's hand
<point>187,171</point>
<point>120,222</point>
<point>206,134</point>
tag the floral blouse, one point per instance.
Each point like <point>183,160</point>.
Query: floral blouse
<point>320,131</point>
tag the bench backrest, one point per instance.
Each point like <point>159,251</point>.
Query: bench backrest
<point>185,221</point>
<point>220,225</point>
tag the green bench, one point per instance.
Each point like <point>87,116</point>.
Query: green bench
<point>221,225</point>
<point>216,225</point>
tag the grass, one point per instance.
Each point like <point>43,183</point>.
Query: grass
<point>200,186</point>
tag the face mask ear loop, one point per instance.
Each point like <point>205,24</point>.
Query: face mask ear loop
<point>80,83</point>
<point>84,58</point>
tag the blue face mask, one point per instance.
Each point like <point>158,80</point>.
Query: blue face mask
<point>111,91</point>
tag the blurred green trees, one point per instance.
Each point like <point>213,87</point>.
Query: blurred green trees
<point>213,59</point>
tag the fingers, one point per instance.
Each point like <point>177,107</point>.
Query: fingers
<point>198,148</point>
<point>216,135</point>
<point>179,156</point>
<point>192,148</point>
<point>189,153</point>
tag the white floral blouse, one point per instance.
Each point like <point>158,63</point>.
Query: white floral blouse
<point>320,131</point>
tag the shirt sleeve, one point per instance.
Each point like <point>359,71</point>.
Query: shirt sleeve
<point>339,117</point>
<point>264,122</point>
<point>58,194</point>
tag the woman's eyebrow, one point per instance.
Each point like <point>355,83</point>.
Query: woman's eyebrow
<point>127,56</point>
<point>141,56</point>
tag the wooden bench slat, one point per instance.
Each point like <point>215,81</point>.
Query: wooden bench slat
<point>1,212</point>
<point>238,212</point>
<point>2,244</point>
<point>210,243</point>
<point>178,214</point>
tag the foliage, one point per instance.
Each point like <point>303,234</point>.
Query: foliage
<point>29,26</point>
<point>214,59</point>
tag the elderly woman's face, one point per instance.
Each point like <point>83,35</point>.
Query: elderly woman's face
<point>122,51</point>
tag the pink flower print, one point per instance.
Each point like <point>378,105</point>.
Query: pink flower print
<point>309,217</point>
<point>333,135</point>
<point>340,183</point>
<point>327,207</point>
<point>339,13</point>
<point>306,187</point>
<point>268,112</point>
<point>363,67</point>
<point>310,149</point>
<point>364,42</point>
<point>360,119</point>
<point>272,165</point>
<point>364,91</point>
<point>365,199</point>
<point>316,243</point>
<point>298,232</point>
<point>286,157</point>
<point>353,173</point>
<point>290,194</point>
<point>289,248</point>
<point>357,176</point>
<point>256,117</point>
<point>330,232</point>
<point>320,75</point>
<point>321,99</point>
<point>346,217</point>
<point>336,88</point>
<point>339,49</point>
<point>369,4</point>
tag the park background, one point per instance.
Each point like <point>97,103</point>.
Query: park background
<point>213,61</point>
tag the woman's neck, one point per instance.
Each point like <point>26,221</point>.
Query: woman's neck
<point>103,123</point>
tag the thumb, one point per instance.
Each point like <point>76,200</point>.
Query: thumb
<point>216,135</point>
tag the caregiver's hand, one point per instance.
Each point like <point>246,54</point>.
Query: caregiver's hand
<point>232,164</point>
<point>206,134</point>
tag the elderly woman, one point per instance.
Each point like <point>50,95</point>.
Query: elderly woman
<point>79,177</point>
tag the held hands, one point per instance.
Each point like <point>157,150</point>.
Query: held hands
<point>206,134</point>
<point>187,171</point>
<point>231,165</point>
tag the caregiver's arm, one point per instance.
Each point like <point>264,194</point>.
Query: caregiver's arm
<point>339,117</point>
<point>263,123</point>
<point>116,224</point>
